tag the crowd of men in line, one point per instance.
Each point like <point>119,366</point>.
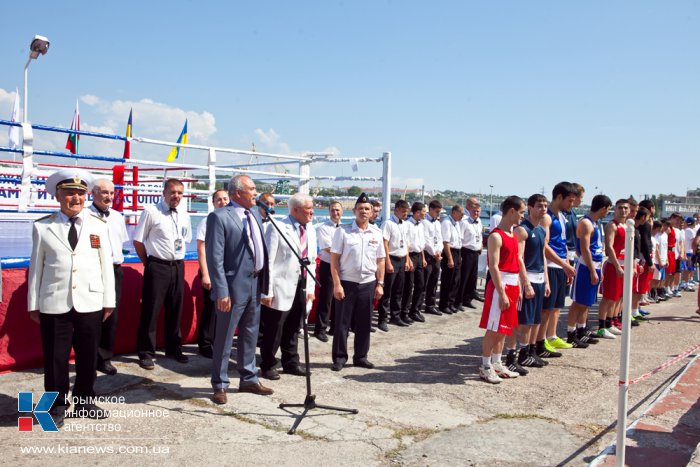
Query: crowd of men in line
<point>255,278</point>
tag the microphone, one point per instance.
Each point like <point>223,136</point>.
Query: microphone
<point>265,207</point>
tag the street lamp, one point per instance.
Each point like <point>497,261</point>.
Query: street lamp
<point>491,203</point>
<point>39,46</point>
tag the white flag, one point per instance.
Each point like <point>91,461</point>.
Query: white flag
<point>13,131</point>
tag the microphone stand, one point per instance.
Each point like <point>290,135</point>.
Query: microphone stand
<point>310,400</point>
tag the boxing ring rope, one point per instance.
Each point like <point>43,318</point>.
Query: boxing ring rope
<point>27,179</point>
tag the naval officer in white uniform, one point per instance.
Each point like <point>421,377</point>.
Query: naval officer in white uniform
<point>70,291</point>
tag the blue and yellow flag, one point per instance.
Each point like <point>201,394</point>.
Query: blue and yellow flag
<point>175,152</point>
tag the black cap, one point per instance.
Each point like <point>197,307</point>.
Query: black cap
<point>362,199</point>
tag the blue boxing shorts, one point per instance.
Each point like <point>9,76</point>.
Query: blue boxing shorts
<point>582,291</point>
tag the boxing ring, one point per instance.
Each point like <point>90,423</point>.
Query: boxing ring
<point>138,182</point>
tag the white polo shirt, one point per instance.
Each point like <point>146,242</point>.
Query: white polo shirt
<point>396,233</point>
<point>433,235</point>
<point>324,237</point>
<point>451,232</point>
<point>472,233</point>
<point>359,251</point>
<point>161,230</point>
<point>117,231</point>
<point>416,235</point>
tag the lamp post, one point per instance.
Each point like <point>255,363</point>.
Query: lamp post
<point>39,46</point>
<point>491,203</point>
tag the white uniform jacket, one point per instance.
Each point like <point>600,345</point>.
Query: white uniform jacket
<point>60,278</point>
<point>284,266</point>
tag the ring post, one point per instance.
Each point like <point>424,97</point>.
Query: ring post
<point>625,350</point>
<point>386,186</point>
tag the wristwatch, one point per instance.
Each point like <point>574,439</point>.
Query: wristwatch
<point>380,283</point>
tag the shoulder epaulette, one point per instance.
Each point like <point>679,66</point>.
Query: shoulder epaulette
<point>42,218</point>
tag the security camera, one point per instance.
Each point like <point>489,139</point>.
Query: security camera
<point>39,46</point>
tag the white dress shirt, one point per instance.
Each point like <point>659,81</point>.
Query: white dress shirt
<point>117,231</point>
<point>451,232</point>
<point>416,235</point>
<point>324,236</point>
<point>256,243</point>
<point>472,233</point>
<point>433,235</point>
<point>395,232</point>
<point>359,251</point>
<point>160,229</point>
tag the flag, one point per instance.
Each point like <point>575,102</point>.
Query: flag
<point>13,131</point>
<point>127,143</point>
<point>74,139</point>
<point>175,152</point>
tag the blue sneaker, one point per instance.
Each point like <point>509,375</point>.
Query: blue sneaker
<point>644,312</point>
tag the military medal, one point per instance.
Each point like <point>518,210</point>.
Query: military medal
<point>94,241</point>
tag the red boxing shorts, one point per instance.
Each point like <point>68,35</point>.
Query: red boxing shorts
<point>492,317</point>
<point>671,266</point>
<point>642,281</point>
<point>612,283</point>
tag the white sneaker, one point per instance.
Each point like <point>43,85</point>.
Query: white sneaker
<point>489,375</point>
<point>604,334</point>
<point>614,330</point>
<point>503,371</point>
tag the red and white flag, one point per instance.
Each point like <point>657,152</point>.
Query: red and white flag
<point>74,139</point>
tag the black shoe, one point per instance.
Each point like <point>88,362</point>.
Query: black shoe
<point>398,322</point>
<point>417,316</point>
<point>453,309</point>
<point>469,305</point>
<point>525,359</point>
<point>178,356</point>
<point>295,370</point>
<point>446,311</point>
<point>106,367</point>
<point>337,366</point>
<point>271,374</point>
<point>372,329</point>
<point>382,326</point>
<point>321,336</point>
<point>513,365</point>
<point>589,336</point>
<point>406,319</point>
<point>635,323</point>
<point>478,298</point>
<point>461,308</point>
<point>433,311</point>
<point>146,363</point>
<point>330,331</point>
<point>364,363</point>
<point>88,411</point>
<point>206,352</point>
<point>573,340</point>
<point>536,358</point>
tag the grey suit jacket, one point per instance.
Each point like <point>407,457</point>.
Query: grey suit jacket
<point>229,256</point>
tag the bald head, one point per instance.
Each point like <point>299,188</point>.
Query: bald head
<point>103,193</point>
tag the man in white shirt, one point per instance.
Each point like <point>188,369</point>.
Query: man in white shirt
<point>472,244</point>
<point>688,236</point>
<point>102,199</point>
<point>433,254</point>
<point>159,240</point>
<point>207,321</point>
<point>451,260</point>
<point>396,244</point>
<point>324,307</point>
<point>357,266</point>
<point>415,279</point>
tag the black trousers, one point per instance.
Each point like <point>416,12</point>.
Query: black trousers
<point>449,280</point>
<point>414,284</point>
<point>282,331</point>
<point>59,333</point>
<point>207,321</point>
<point>324,308</point>
<point>432,274</point>
<point>390,303</point>
<point>105,351</point>
<point>469,275</point>
<point>355,308</point>
<point>163,285</point>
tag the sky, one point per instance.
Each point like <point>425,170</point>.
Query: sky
<point>464,94</point>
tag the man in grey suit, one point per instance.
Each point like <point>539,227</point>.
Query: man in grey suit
<point>237,262</point>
